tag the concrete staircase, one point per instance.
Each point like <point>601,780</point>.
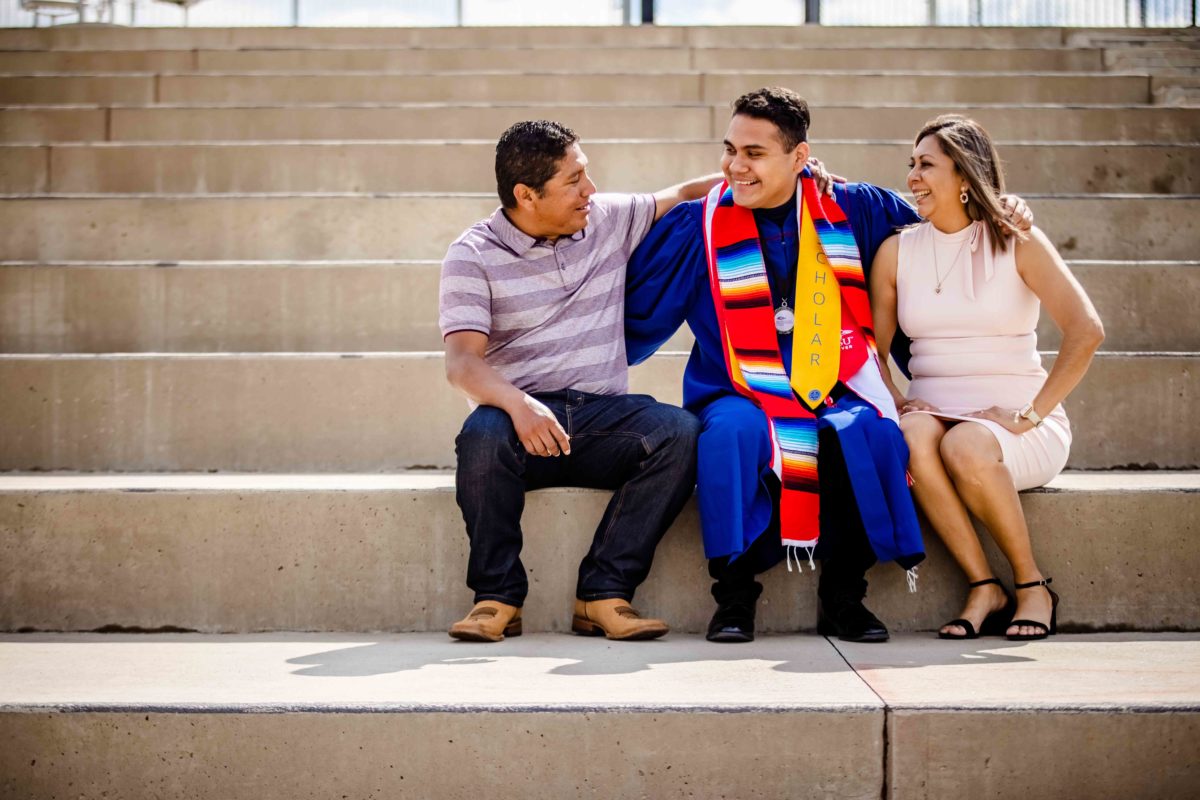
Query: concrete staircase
<point>225,415</point>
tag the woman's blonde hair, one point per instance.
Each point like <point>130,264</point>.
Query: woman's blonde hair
<point>970,148</point>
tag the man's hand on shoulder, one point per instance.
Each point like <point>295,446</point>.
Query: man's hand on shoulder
<point>823,177</point>
<point>1018,213</point>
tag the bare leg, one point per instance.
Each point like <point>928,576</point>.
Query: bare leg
<point>939,499</point>
<point>974,461</point>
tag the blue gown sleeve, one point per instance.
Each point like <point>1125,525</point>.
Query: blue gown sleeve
<point>663,281</point>
<point>875,214</point>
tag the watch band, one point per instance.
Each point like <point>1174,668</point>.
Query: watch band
<point>1028,413</point>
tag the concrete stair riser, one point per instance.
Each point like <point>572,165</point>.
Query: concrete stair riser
<point>574,59</point>
<point>713,87</point>
<point>1020,764</point>
<point>340,307</point>
<point>70,38</point>
<point>383,412</point>
<point>1114,227</point>
<point>304,716</point>
<point>406,755</point>
<point>1144,59</point>
<point>329,554</point>
<point>947,87</point>
<point>312,755</point>
<point>627,165</point>
<point>662,121</point>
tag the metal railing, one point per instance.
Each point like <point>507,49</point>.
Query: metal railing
<point>409,13</point>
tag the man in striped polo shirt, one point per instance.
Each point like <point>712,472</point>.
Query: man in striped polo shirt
<point>532,304</point>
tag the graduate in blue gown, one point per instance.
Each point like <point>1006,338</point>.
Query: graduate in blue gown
<point>866,508</point>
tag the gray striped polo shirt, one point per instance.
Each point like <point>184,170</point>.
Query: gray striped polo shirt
<point>553,312</point>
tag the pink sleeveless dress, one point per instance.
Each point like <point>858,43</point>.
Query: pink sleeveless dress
<point>975,342</point>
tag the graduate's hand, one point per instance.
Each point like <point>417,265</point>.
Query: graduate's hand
<point>824,178</point>
<point>1017,212</point>
<point>917,404</point>
<point>538,429</point>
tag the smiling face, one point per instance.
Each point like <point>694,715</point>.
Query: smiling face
<point>760,169</point>
<point>936,184</point>
<point>561,207</point>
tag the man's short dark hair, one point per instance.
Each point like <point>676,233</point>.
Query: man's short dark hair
<point>529,153</point>
<point>785,108</point>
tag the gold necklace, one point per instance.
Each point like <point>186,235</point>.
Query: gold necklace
<point>937,273</point>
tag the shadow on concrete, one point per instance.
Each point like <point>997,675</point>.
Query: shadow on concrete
<point>568,655</point>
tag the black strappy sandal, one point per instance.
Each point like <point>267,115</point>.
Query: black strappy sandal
<point>1032,623</point>
<point>994,624</point>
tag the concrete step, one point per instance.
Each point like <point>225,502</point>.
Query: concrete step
<point>388,306</point>
<point>1048,123</point>
<point>468,166</point>
<point>115,38</point>
<point>1177,90</point>
<point>251,716</point>
<point>663,87</point>
<point>1142,59</point>
<point>246,553</point>
<point>331,412</point>
<point>410,226</point>
<point>304,716</point>
<point>574,59</point>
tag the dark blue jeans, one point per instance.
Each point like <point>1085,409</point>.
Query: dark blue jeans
<point>641,449</point>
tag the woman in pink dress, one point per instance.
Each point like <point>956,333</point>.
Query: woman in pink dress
<point>982,418</point>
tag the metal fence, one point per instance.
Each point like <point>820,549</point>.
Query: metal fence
<point>384,13</point>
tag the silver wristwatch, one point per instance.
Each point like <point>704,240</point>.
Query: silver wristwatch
<point>1028,413</point>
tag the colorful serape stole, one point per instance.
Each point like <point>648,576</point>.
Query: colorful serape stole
<point>745,313</point>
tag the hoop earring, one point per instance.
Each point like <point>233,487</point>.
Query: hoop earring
<point>962,196</point>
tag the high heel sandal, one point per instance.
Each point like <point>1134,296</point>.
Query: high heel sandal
<point>1032,623</point>
<point>994,624</point>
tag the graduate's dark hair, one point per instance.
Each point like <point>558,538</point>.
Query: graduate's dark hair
<point>783,107</point>
<point>528,153</point>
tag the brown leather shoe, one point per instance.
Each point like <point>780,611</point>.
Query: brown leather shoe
<point>489,621</point>
<point>616,619</point>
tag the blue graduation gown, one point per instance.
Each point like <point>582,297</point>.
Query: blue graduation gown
<point>667,284</point>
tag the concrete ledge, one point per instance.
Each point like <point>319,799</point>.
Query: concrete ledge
<point>964,754</point>
<point>297,734</point>
<point>138,88</point>
<point>578,59</point>
<point>344,121</point>
<point>392,306</point>
<point>459,166</point>
<point>333,412</point>
<point>230,553</point>
<point>90,38</point>
<point>350,227</point>
<point>708,87</point>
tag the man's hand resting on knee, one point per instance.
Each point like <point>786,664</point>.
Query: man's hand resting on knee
<point>535,424</point>
<point>538,429</point>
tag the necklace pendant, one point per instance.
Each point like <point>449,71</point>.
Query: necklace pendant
<point>937,290</point>
<point>785,319</point>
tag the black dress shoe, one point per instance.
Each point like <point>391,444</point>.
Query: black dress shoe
<point>850,621</point>
<point>732,623</point>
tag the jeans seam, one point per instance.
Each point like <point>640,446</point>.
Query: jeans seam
<point>612,520</point>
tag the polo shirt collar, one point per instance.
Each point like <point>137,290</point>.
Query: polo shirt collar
<point>516,239</point>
